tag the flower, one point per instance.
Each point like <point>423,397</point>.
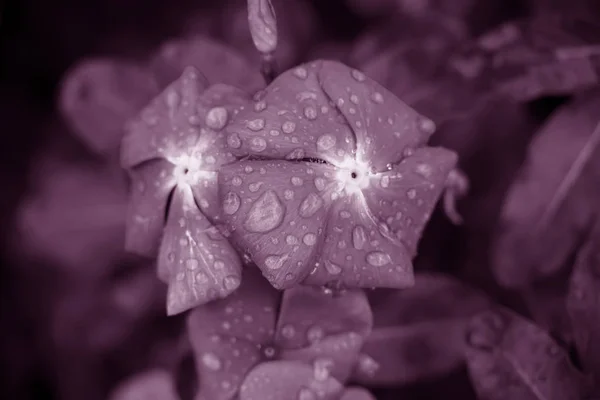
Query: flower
<point>173,150</point>
<point>261,344</point>
<point>335,185</point>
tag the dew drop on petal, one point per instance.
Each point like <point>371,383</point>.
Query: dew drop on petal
<point>275,262</point>
<point>258,144</point>
<point>256,124</point>
<point>211,361</point>
<point>288,127</point>
<point>296,154</point>
<point>411,194</point>
<point>385,181</point>
<point>288,331</point>
<point>320,184</point>
<point>310,239</point>
<point>260,106</point>
<point>332,269</point>
<point>301,72</point>
<point>377,97</point>
<point>378,259</point>
<point>310,113</point>
<point>216,118</point>
<point>354,99</point>
<point>255,186</point>
<point>314,334</point>
<point>326,142</point>
<point>367,365</point>
<point>192,264</point>
<point>219,264</point>
<point>291,240</point>
<point>322,369</point>
<point>359,237</point>
<point>297,181</point>
<point>358,75</point>
<point>231,203</point>
<point>234,141</point>
<point>310,205</point>
<point>266,213</point>
<point>288,194</point>
<point>231,282</point>
<point>236,181</point>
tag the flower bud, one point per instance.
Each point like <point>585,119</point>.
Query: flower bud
<point>263,25</point>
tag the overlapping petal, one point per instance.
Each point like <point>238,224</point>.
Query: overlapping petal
<point>378,187</point>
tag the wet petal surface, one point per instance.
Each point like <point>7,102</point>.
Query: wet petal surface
<point>288,380</point>
<point>385,127</point>
<point>359,251</point>
<point>293,118</point>
<point>151,184</point>
<point>276,214</point>
<point>199,262</point>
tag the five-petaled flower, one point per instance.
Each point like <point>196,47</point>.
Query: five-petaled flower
<point>173,151</point>
<point>260,344</point>
<point>335,184</point>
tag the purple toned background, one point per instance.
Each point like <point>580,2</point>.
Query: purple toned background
<point>78,315</point>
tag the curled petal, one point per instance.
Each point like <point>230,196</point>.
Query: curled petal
<point>359,252</point>
<point>410,354</point>
<point>151,184</point>
<point>169,125</point>
<point>263,25</point>
<point>405,196</point>
<point>156,384</point>
<point>356,393</point>
<point>285,117</point>
<point>99,95</point>
<point>276,214</point>
<point>339,351</point>
<point>385,127</point>
<point>199,262</point>
<point>217,62</point>
<point>279,380</point>
<point>305,316</point>
<point>248,314</point>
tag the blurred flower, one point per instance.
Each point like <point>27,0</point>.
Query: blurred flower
<point>174,150</point>
<point>266,345</point>
<point>154,384</point>
<point>343,186</point>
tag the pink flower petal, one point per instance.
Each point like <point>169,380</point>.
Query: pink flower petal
<point>292,118</point>
<point>99,95</point>
<point>219,63</point>
<point>154,384</point>
<point>305,316</point>
<point>247,314</point>
<point>198,260</point>
<point>169,125</point>
<point>356,393</point>
<point>280,380</point>
<point>276,213</point>
<point>358,252</point>
<point>385,127</point>
<point>339,351</point>
<point>405,196</point>
<point>151,185</point>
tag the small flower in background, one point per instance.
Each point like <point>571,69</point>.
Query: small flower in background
<point>174,150</point>
<point>259,343</point>
<point>345,185</point>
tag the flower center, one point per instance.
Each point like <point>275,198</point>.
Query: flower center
<point>353,175</point>
<point>188,169</point>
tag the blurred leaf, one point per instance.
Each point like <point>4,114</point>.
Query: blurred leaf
<point>510,358</point>
<point>550,204</point>
<point>549,55</point>
<point>583,305</point>
<point>419,332</point>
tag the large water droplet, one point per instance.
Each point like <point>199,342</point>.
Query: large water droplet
<point>258,144</point>
<point>385,181</point>
<point>310,205</point>
<point>234,141</point>
<point>231,282</point>
<point>320,184</point>
<point>291,240</point>
<point>256,124</point>
<point>358,75</point>
<point>211,361</point>
<point>310,239</point>
<point>359,237</point>
<point>266,213</point>
<point>367,365</point>
<point>301,72</point>
<point>216,118</point>
<point>296,154</point>
<point>325,142</point>
<point>310,113</point>
<point>297,181</point>
<point>288,127</point>
<point>275,262</point>
<point>288,331</point>
<point>378,258</point>
<point>231,203</point>
<point>332,268</point>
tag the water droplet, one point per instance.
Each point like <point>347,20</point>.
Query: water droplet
<point>219,264</point>
<point>211,361</point>
<point>183,242</point>
<point>427,125</point>
<point>260,106</point>
<point>332,268</point>
<point>288,127</point>
<point>296,181</point>
<point>275,262</point>
<point>288,194</point>
<point>231,282</point>
<point>258,144</point>
<point>266,213</point>
<point>234,141</point>
<point>378,258</point>
<point>269,352</point>
<point>322,369</point>
<point>301,72</point>
<point>256,124</point>
<point>311,204</point>
<point>345,214</point>
<point>367,365</point>
<point>291,240</point>
<point>231,203</point>
<point>255,187</point>
<point>411,194</point>
<point>314,334</point>
<point>201,277</point>
<point>296,154</point>
<point>172,100</point>
<point>310,113</point>
<point>320,184</point>
<point>358,75</point>
<point>385,181</point>
<point>288,331</point>
<point>377,97</point>
<point>326,142</point>
<point>192,264</point>
<point>236,181</point>
<point>424,170</point>
<point>359,237</point>
<point>310,239</point>
<point>216,118</point>
<point>274,132</point>
<point>354,99</point>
